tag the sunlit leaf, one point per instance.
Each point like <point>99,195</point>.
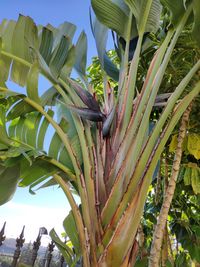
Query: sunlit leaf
<point>71,231</point>
<point>111,15</point>
<point>138,8</point>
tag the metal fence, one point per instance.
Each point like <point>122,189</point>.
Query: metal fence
<point>25,255</point>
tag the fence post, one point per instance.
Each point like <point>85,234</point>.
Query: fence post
<point>19,245</point>
<point>37,243</point>
<point>2,236</point>
<point>49,254</point>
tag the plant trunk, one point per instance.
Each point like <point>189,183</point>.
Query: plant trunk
<point>165,247</point>
<point>162,219</point>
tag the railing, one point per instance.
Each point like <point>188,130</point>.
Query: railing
<point>32,258</point>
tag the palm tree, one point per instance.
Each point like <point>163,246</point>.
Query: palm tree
<point>106,151</point>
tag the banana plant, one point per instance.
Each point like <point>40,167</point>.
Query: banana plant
<point>102,151</point>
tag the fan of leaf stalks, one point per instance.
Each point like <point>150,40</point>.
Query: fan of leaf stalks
<point>103,152</point>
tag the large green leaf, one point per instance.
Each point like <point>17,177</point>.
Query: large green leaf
<point>4,139</point>
<point>70,129</point>
<point>66,29</point>
<point>24,37</point>
<point>42,168</point>
<point>32,83</point>
<point>71,231</point>
<point>138,8</point>
<point>59,56</point>
<point>31,130</point>
<point>8,182</point>
<point>20,108</point>
<point>177,9</point>
<point>81,56</point>
<point>64,249</point>
<point>111,15</point>
<point>6,32</point>
<point>100,33</point>
<point>48,98</point>
<point>42,132</point>
<point>58,62</point>
<point>110,68</point>
<point>69,63</point>
<point>26,129</point>
<point>39,169</point>
<point>46,44</point>
<point>121,4</point>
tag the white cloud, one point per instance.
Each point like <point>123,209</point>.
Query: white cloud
<point>33,217</point>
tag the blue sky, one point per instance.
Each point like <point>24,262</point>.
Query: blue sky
<point>48,207</point>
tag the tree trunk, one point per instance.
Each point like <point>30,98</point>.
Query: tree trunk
<point>161,222</point>
<point>164,253</point>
